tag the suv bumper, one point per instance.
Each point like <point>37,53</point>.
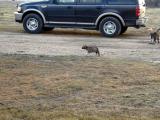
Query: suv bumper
<point>18,16</point>
<point>141,22</point>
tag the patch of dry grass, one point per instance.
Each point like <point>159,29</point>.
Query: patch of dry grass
<point>7,19</point>
<point>83,88</point>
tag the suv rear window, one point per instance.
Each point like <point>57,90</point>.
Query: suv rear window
<point>122,2</point>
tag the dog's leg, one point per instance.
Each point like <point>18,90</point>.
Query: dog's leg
<point>154,39</point>
<point>151,35</point>
<point>158,39</point>
<point>98,53</point>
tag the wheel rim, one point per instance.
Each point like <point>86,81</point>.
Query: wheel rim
<point>32,24</point>
<point>109,27</point>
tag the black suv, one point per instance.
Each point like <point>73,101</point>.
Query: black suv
<point>110,17</point>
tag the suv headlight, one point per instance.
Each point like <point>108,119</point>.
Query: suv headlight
<point>19,9</point>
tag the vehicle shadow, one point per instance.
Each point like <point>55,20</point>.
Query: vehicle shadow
<point>130,34</point>
<point>76,32</point>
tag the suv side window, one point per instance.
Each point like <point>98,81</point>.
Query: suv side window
<point>122,2</point>
<point>65,1</point>
<point>90,1</point>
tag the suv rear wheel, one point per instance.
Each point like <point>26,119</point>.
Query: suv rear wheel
<point>110,27</point>
<point>33,23</point>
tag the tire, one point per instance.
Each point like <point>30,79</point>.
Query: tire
<point>48,28</point>
<point>110,27</point>
<point>33,23</point>
<point>124,29</point>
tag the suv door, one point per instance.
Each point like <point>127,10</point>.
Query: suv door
<point>61,11</point>
<point>87,11</point>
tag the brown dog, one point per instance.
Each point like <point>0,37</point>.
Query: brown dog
<point>154,35</point>
<point>91,49</point>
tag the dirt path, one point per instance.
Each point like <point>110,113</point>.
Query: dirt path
<point>62,42</point>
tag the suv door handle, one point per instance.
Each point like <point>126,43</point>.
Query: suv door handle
<point>44,6</point>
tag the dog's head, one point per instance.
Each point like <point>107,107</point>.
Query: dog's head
<point>84,47</point>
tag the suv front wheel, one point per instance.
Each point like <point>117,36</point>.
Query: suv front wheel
<point>33,23</point>
<point>110,27</point>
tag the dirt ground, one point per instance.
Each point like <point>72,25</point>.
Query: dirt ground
<point>134,44</point>
<point>67,42</point>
